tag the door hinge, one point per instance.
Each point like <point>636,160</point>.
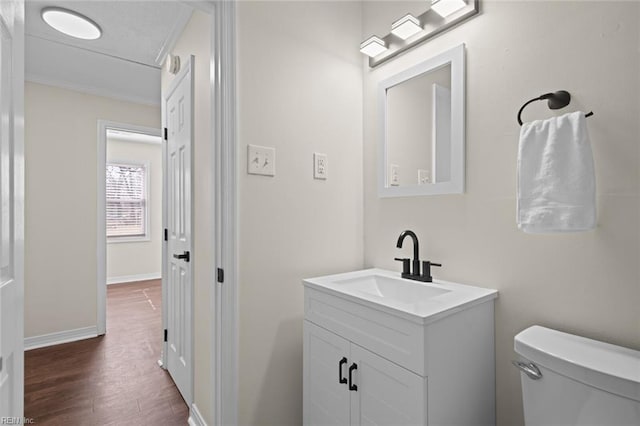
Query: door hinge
<point>166,134</point>
<point>220,275</point>
<point>166,234</point>
<point>166,334</point>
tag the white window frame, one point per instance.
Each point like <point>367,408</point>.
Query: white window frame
<point>147,216</point>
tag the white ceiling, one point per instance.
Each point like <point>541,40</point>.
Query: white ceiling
<point>124,63</point>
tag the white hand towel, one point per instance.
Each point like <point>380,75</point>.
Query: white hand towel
<point>556,176</point>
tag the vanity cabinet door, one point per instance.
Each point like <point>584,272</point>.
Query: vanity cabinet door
<point>326,355</point>
<point>386,394</point>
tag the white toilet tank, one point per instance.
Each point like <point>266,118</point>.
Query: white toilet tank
<point>583,381</point>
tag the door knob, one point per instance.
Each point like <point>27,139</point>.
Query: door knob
<point>185,255</point>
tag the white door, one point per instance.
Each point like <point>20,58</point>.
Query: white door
<point>12,211</point>
<point>326,394</point>
<point>179,290</point>
<point>383,393</point>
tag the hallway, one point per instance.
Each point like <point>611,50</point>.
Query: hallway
<point>112,379</point>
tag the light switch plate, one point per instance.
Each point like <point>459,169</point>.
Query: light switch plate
<point>394,175</point>
<point>424,176</point>
<point>319,165</point>
<point>261,160</point>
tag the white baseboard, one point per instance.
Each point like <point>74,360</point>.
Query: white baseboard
<point>195,418</point>
<point>60,337</point>
<point>131,278</point>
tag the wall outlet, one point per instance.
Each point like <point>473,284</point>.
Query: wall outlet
<point>394,175</point>
<point>319,165</point>
<point>261,160</point>
<point>424,176</point>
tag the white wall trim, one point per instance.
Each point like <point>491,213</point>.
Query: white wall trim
<point>134,138</point>
<point>59,337</point>
<point>96,91</point>
<point>15,391</point>
<point>120,240</point>
<point>195,418</point>
<point>132,278</point>
<point>101,203</point>
<point>225,298</point>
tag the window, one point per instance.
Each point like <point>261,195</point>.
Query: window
<point>126,200</point>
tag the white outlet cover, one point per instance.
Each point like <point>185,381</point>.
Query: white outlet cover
<point>261,160</point>
<point>424,177</point>
<point>319,166</point>
<point>394,175</point>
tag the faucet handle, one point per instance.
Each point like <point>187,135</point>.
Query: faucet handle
<point>426,271</point>
<point>406,271</point>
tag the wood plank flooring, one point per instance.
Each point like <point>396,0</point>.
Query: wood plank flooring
<point>110,380</point>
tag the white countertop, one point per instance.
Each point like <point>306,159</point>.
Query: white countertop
<point>417,301</point>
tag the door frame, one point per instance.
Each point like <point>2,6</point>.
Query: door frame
<point>101,237</point>
<point>225,298</point>
<point>17,8</point>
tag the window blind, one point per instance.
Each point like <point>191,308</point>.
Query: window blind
<point>126,200</point>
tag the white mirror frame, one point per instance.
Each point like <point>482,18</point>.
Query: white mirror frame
<point>455,57</point>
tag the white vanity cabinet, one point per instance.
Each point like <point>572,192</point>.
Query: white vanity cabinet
<point>376,392</point>
<point>369,360</point>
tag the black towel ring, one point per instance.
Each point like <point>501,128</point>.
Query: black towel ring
<point>557,100</point>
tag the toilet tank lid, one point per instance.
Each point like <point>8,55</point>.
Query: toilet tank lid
<point>608,367</point>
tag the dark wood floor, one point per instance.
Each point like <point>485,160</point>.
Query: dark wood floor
<point>112,379</point>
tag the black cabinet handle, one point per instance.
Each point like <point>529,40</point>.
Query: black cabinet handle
<point>352,387</point>
<point>185,255</point>
<point>341,379</point>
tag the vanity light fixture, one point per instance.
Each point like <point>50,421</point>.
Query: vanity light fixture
<point>71,23</point>
<point>406,26</point>
<point>445,8</point>
<point>411,30</point>
<point>373,46</point>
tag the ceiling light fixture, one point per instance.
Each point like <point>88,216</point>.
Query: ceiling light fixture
<point>445,8</point>
<point>406,26</point>
<point>373,46</point>
<point>71,23</point>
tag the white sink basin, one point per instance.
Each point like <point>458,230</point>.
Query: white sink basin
<point>392,289</point>
<point>423,302</point>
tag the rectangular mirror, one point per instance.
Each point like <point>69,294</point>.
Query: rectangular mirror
<point>422,136</point>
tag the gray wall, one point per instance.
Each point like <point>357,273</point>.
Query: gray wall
<point>300,91</point>
<point>61,171</point>
<point>586,283</point>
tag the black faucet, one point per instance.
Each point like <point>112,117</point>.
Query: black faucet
<point>416,252</point>
<point>425,276</point>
